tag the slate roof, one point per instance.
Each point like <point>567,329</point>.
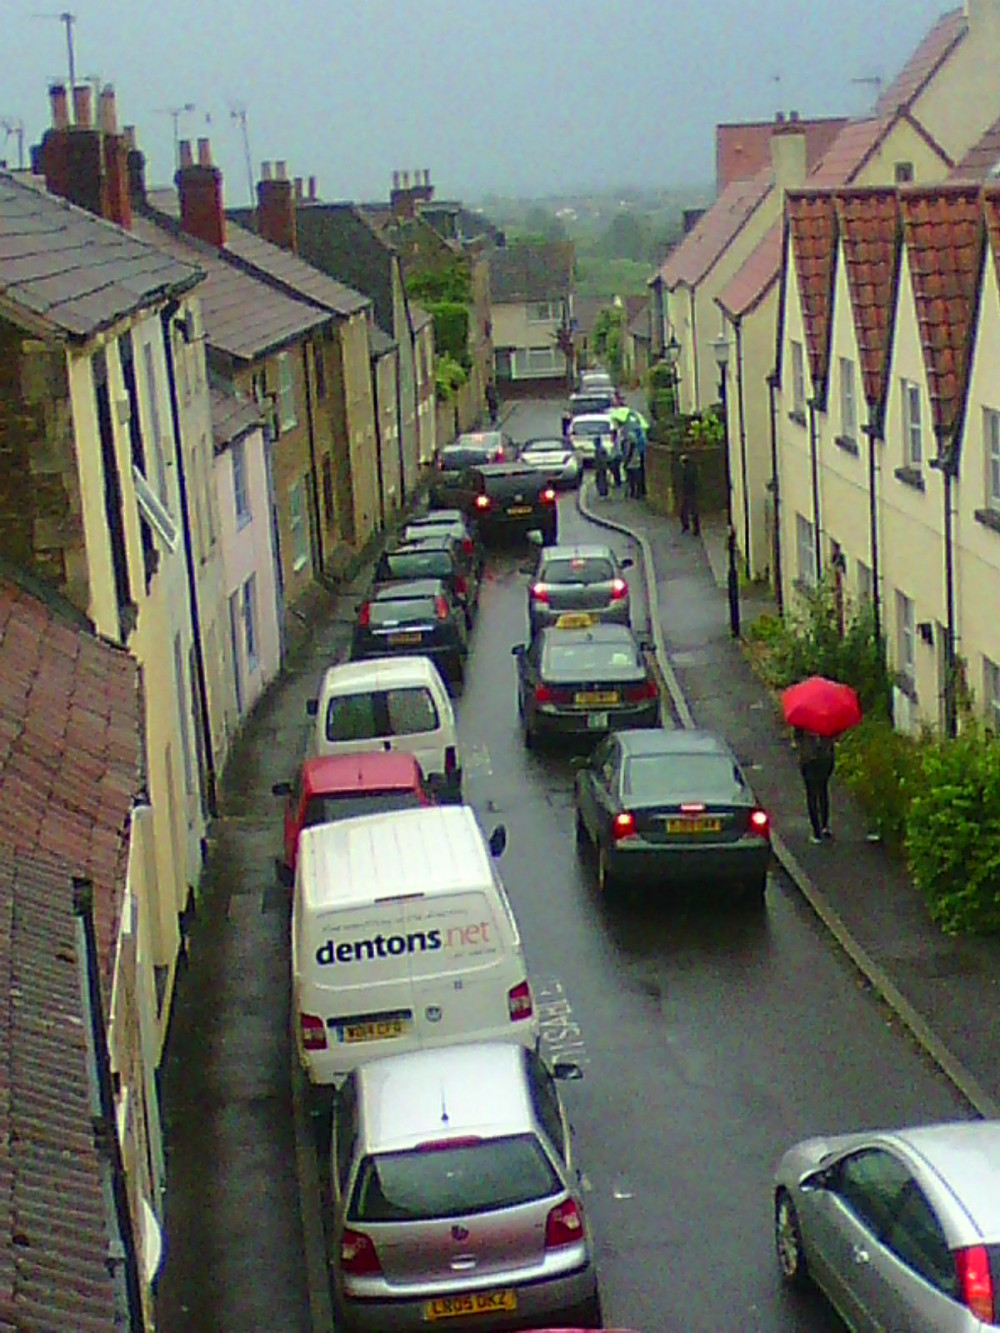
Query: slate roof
<point>420,317</point>
<point>950,29</point>
<point>75,274</point>
<point>298,277</point>
<point>233,416</point>
<point>982,161</point>
<point>943,228</point>
<point>245,317</point>
<point>380,341</point>
<point>812,221</point>
<point>585,312</point>
<point>638,324</point>
<point>711,237</point>
<point>531,271</point>
<point>869,225</point>
<point>338,240</point>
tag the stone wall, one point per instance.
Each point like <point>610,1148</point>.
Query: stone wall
<point>663,472</point>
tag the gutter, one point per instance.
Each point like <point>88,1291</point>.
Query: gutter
<point>694,350</point>
<point>775,488</point>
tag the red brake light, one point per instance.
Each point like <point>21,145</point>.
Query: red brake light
<point>548,496</point>
<point>442,1145</point>
<point>313,1032</point>
<point>543,695</point>
<point>637,694</point>
<point>563,1226</point>
<point>365,615</point>
<point>975,1280</point>
<point>519,1002</point>
<point>539,593</point>
<point>467,546</point>
<point>357,1254</point>
<point>441,608</point>
<point>619,589</point>
<point>482,502</point>
<point>759,823</point>
<point>461,587</point>
<point>623,826</point>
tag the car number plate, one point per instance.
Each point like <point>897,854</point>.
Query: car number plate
<point>410,636</point>
<point>597,721</point>
<point>699,824</point>
<point>597,697</point>
<point>375,1029</point>
<point>474,1302</point>
<point>518,511</point>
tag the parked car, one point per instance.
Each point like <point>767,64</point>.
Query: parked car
<point>435,556</point>
<point>590,401</point>
<point>580,679</point>
<point>468,450</point>
<point>578,578</point>
<point>591,381</point>
<point>343,787</point>
<point>899,1228</point>
<point>456,1195</point>
<point>585,432</point>
<point>414,616</point>
<point>672,808</point>
<point>449,523</point>
<point>554,458</point>
<point>510,500</point>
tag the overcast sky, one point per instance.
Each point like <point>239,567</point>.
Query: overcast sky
<point>523,97</point>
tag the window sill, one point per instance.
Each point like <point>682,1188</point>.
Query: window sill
<point>798,417</point>
<point>989,518</point>
<point>910,476</point>
<point>849,445</point>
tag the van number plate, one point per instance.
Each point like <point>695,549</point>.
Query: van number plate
<point>377,1029</point>
<point>475,1302</point>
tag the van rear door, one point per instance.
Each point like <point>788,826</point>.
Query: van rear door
<point>405,718</point>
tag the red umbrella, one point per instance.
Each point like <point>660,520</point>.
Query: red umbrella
<point>824,707</point>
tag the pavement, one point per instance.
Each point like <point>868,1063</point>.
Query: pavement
<point>945,991</point>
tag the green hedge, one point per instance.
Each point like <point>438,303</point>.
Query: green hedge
<point>451,329</point>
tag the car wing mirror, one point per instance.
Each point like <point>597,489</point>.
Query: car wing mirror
<point>535,537</point>
<point>647,645</point>
<point>566,1070</point>
<point>281,789</point>
<point>817,1180</point>
<point>498,840</point>
<point>518,650</point>
<point>627,563</point>
<point>283,873</point>
<point>579,761</point>
<point>312,707</point>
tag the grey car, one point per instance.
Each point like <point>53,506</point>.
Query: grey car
<point>554,457</point>
<point>456,1196</point>
<point>579,578</point>
<point>899,1228</point>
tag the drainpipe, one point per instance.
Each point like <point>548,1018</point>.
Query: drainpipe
<point>377,413</point>
<point>166,321</point>
<point>814,464</point>
<point>694,351</point>
<point>871,430</point>
<point>949,472</point>
<point>311,429</point>
<point>743,446</point>
<point>775,488</point>
<point>399,427</point>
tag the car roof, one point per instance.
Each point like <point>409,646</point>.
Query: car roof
<point>965,1155</point>
<point>477,1088</point>
<point>581,551</point>
<point>505,470</point>
<point>592,416</point>
<point>360,772</point>
<point>407,590</point>
<point>435,516</point>
<point>475,439</point>
<point>381,674</point>
<point>545,441</point>
<point>682,740</point>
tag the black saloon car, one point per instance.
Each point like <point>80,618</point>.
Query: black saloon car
<point>584,682</point>
<point>509,500</point>
<point>468,450</point>
<point>449,523</point>
<point>672,808</point>
<point>414,616</point>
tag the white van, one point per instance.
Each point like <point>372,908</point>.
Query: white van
<point>403,937</point>
<point>396,703</point>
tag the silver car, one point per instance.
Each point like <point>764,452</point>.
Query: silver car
<point>900,1228</point>
<point>586,430</point>
<point>555,458</point>
<point>579,578</point>
<point>455,1195</point>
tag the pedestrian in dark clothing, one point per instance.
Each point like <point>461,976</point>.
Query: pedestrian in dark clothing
<point>817,756</point>
<point>633,468</point>
<point>600,467</point>
<point>615,462</point>
<point>690,520</point>
<point>492,402</point>
<point>567,422</point>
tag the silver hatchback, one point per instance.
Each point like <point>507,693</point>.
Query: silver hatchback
<point>900,1228</point>
<point>579,578</point>
<point>455,1195</point>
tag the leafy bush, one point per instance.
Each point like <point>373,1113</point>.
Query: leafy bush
<point>881,767</point>
<point>451,329</point>
<point>953,832</point>
<point>449,377</point>
<point>451,282</point>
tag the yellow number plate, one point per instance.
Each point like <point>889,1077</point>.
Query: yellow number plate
<point>518,511</point>
<point>376,1030</point>
<point>412,636</point>
<point>696,825</point>
<point>575,620</point>
<point>475,1302</point>
<point>599,698</point>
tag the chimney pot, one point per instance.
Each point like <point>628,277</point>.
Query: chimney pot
<point>130,141</point>
<point>265,171</point>
<point>106,110</point>
<point>793,115</point>
<point>312,187</point>
<point>59,102</point>
<point>281,170</point>
<point>780,118</point>
<point>204,153</point>
<point>184,154</point>
<point>395,180</point>
<point>406,180</point>
<point>83,106</point>
<point>298,189</point>
<point>427,176</point>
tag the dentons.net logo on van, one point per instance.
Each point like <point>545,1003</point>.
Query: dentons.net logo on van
<point>393,946</point>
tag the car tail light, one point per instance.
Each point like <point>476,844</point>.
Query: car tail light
<point>623,826</point>
<point>467,546</point>
<point>975,1281</point>
<point>519,1002</point>
<point>313,1032</point>
<point>496,456</point>
<point>563,1226</point>
<point>543,695</point>
<point>460,585</point>
<point>539,593</point>
<point>548,496</point>
<point>637,694</point>
<point>619,589</point>
<point>482,502</point>
<point>357,1254</point>
<point>441,608</point>
<point>443,1145</point>
<point>450,759</point>
<point>439,463</point>
<point>365,615</point>
<point>759,823</point>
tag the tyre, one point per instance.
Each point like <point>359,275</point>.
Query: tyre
<point>607,880</point>
<point>752,893</point>
<point>788,1242</point>
<point>589,1314</point>
<point>582,836</point>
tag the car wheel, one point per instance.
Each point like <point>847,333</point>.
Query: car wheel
<point>530,739</point>
<point>788,1241</point>
<point>589,1314</point>
<point>607,880</point>
<point>582,836</point>
<point>754,891</point>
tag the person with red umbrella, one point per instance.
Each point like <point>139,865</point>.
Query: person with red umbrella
<point>819,710</point>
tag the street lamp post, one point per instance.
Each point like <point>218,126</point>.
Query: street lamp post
<point>672,355</point>
<point>721,349</point>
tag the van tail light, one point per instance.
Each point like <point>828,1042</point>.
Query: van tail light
<point>460,585</point>
<point>623,826</point>
<point>468,546</point>
<point>619,590</point>
<point>441,608</point>
<point>548,496</point>
<point>313,1032</point>
<point>450,760</point>
<point>760,824</point>
<point>638,694</point>
<point>975,1281</point>
<point>482,502</point>
<point>357,1254</point>
<point>539,593</point>
<point>563,1226</point>
<point>365,615</point>
<point>519,1002</point>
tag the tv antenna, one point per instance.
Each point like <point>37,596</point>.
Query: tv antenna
<point>238,115</point>
<point>67,19</point>
<point>13,125</point>
<point>175,113</point>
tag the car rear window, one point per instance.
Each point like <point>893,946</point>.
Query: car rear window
<point>681,777</point>
<point>432,564</point>
<point>345,805</point>
<point>599,401</point>
<point>462,456</point>
<point>406,609</point>
<point>406,711</point>
<point>581,660</point>
<point>543,447</point>
<point>579,569</point>
<point>451,1181</point>
<point>411,711</point>
<point>591,428</point>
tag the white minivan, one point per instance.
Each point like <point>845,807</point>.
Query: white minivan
<point>403,938</point>
<point>393,703</point>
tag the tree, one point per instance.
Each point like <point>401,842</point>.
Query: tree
<point>609,335</point>
<point>626,237</point>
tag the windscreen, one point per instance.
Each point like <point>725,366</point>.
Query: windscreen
<point>345,805</point>
<point>467,455</point>
<point>673,778</point>
<point>585,661</point>
<point>443,1181</point>
<point>432,564</point>
<point>591,429</point>
<point>581,569</point>
<point>592,402</point>
<point>543,448</point>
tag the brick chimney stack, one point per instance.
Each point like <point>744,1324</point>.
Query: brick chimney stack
<point>199,185</point>
<point>136,165</point>
<point>71,156</point>
<point>276,199</point>
<point>117,198</point>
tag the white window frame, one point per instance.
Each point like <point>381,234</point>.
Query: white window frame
<point>541,360</point>
<point>991,695</point>
<point>991,456</point>
<point>906,637</point>
<point>297,531</point>
<point>241,489</point>
<point>159,461</point>
<point>287,414</point>
<point>805,546</point>
<point>848,401</point>
<point>798,358</point>
<point>913,431</point>
<point>544,312</point>
<point>248,615</point>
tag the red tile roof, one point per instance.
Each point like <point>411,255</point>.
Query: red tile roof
<point>812,219</point>
<point>849,151</point>
<point>742,149</point>
<point>991,207</point>
<point>701,248</point>
<point>754,279</point>
<point>950,29</point>
<point>943,228</point>
<point>870,236</point>
<point>982,161</point>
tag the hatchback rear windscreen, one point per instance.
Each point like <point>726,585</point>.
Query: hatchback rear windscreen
<point>417,565</point>
<point>588,661</point>
<point>681,777</point>
<point>332,806</point>
<point>407,711</point>
<point>591,429</point>
<point>454,460</point>
<point>580,570</point>
<point>408,609</point>
<point>450,1181</point>
<point>591,402</point>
